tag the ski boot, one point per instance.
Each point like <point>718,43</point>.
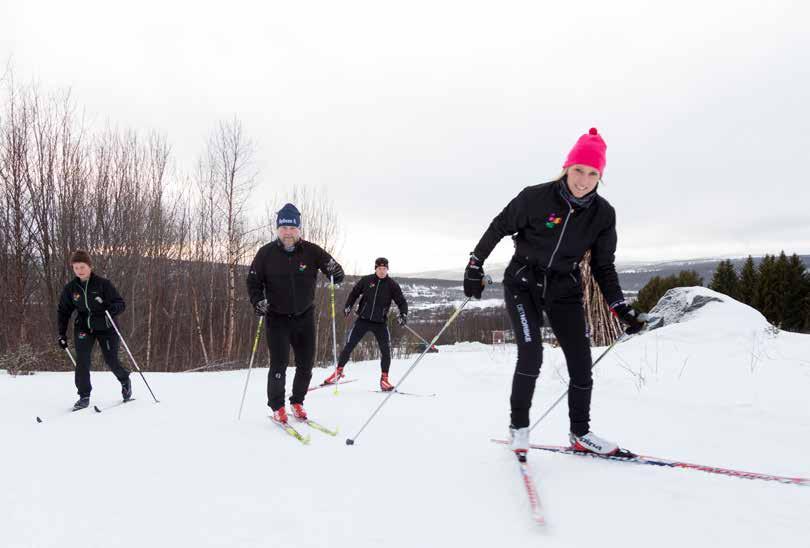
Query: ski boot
<point>81,403</point>
<point>519,441</point>
<point>298,412</point>
<point>126,389</point>
<point>385,384</point>
<point>280,415</point>
<point>591,443</point>
<point>333,378</point>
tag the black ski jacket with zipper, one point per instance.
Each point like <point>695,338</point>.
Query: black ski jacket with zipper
<point>89,300</point>
<point>287,279</point>
<point>375,297</point>
<point>551,236</point>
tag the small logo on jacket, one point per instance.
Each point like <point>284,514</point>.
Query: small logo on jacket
<point>302,267</point>
<point>76,297</point>
<point>553,220</point>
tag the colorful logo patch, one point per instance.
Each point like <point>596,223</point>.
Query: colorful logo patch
<point>553,220</point>
<point>82,335</point>
<point>302,267</point>
<point>76,297</point>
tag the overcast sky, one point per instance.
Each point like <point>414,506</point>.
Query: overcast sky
<point>423,119</point>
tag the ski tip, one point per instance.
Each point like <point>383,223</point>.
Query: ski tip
<point>97,409</point>
<point>39,420</point>
<point>349,441</point>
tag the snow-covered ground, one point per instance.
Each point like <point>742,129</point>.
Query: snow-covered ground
<point>719,388</point>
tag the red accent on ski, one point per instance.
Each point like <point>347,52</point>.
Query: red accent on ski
<point>531,491</point>
<point>627,456</point>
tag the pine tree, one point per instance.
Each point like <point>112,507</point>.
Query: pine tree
<point>725,280</point>
<point>768,299</point>
<point>652,292</point>
<point>795,283</point>
<point>747,286</point>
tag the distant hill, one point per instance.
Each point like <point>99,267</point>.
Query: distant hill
<point>633,276</point>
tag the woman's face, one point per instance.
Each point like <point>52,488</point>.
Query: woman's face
<point>82,270</point>
<point>582,179</point>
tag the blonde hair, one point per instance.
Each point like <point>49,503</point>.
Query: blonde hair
<point>564,172</point>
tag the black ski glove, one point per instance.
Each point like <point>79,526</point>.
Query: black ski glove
<point>403,319</point>
<point>62,341</point>
<point>473,277</point>
<point>627,314</point>
<point>261,307</point>
<point>335,271</point>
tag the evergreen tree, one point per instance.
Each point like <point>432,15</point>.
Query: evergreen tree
<point>725,280</point>
<point>688,278</point>
<point>652,292</point>
<point>768,299</point>
<point>747,286</point>
<point>795,294</point>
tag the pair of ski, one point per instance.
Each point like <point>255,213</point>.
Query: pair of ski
<point>295,433</point>
<point>628,456</point>
<point>96,408</point>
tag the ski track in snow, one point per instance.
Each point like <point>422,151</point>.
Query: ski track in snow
<point>424,473</point>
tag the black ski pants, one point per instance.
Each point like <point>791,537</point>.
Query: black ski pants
<point>563,305</point>
<point>108,341</point>
<point>284,331</point>
<point>358,330</point>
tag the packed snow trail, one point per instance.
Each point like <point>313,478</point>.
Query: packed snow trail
<point>719,389</point>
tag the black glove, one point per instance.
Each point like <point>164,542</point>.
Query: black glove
<point>261,307</point>
<point>335,271</point>
<point>62,342</point>
<point>403,319</point>
<point>347,311</point>
<point>627,314</point>
<point>473,277</point>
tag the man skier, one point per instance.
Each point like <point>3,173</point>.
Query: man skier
<point>90,296</point>
<point>281,285</point>
<point>377,290</point>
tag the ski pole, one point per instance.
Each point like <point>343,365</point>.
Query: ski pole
<point>131,357</point>
<point>250,365</point>
<point>421,338</point>
<point>334,331</point>
<point>553,405</point>
<point>350,441</point>
<point>71,358</point>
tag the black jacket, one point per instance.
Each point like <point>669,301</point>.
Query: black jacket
<point>83,297</point>
<point>551,235</point>
<point>287,279</point>
<point>377,295</point>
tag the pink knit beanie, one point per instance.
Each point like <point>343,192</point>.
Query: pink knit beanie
<point>590,150</point>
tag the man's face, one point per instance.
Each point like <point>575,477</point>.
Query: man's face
<point>82,270</point>
<point>289,235</point>
<point>381,271</point>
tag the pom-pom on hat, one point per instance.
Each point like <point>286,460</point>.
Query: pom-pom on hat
<point>590,150</point>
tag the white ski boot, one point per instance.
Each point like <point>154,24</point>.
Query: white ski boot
<point>592,443</point>
<point>520,442</point>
